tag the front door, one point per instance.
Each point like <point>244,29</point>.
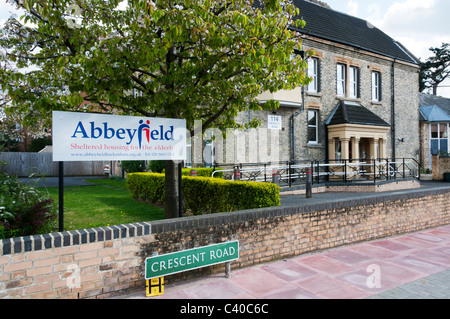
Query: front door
<point>364,149</point>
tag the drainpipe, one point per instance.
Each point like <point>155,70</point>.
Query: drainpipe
<point>393,112</point>
<point>302,109</point>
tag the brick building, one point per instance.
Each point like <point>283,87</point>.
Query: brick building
<point>434,127</point>
<point>363,101</point>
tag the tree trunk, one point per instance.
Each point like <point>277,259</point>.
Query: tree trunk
<point>171,187</point>
<point>435,87</point>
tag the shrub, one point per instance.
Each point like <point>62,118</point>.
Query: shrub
<point>157,166</point>
<point>38,144</point>
<point>147,186</point>
<point>203,172</point>
<point>24,210</point>
<point>133,166</point>
<point>203,195</point>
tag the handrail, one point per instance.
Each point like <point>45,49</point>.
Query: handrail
<point>347,170</point>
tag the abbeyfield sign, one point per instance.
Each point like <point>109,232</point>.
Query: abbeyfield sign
<point>163,265</point>
<point>99,137</point>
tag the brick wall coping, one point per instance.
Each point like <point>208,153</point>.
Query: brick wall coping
<point>78,237</point>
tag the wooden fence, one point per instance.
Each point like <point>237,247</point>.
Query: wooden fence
<point>25,164</point>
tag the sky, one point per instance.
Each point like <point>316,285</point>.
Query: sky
<point>417,24</point>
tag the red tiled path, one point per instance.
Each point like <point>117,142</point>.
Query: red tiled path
<point>347,272</point>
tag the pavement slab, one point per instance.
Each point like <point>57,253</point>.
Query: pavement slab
<point>413,265</point>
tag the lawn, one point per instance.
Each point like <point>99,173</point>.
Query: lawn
<point>106,203</point>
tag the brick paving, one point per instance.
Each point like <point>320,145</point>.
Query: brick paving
<point>415,265</point>
<point>436,286</point>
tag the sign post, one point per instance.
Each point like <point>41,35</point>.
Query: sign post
<point>308,183</point>
<point>61,195</point>
<point>173,263</point>
<point>101,137</point>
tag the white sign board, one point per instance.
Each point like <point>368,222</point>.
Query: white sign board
<point>274,122</point>
<point>99,137</point>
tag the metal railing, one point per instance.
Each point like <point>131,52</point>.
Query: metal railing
<point>344,171</point>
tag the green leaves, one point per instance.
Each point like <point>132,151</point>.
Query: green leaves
<point>194,59</point>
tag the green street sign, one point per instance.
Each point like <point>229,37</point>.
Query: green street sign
<point>173,263</point>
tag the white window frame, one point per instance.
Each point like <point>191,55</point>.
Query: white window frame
<point>353,92</point>
<point>313,72</point>
<point>439,138</point>
<point>188,162</point>
<point>316,126</point>
<point>341,79</point>
<point>209,145</point>
<point>376,86</point>
<point>337,150</point>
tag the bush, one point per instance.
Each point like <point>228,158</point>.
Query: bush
<point>147,186</point>
<point>24,210</point>
<point>39,144</point>
<point>203,195</point>
<point>157,166</point>
<point>133,166</point>
<point>203,172</point>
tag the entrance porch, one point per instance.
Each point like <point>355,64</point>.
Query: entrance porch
<point>356,135</point>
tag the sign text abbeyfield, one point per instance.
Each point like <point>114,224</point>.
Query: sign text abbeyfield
<point>168,264</point>
<point>100,137</point>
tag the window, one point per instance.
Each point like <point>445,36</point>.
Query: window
<point>376,86</point>
<point>354,83</point>
<point>208,150</point>
<point>439,138</point>
<point>340,79</point>
<point>313,73</point>
<point>313,125</point>
<point>337,150</point>
<point>188,162</point>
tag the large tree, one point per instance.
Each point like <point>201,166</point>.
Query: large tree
<point>193,59</point>
<point>436,69</point>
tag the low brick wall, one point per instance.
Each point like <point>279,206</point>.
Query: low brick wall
<point>380,187</point>
<point>95,263</point>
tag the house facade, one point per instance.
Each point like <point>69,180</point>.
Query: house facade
<point>434,127</point>
<point>362,103</point>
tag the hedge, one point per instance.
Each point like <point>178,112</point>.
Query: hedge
<point>203,195</point>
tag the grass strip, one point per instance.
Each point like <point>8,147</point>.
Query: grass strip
<point>103,205</point>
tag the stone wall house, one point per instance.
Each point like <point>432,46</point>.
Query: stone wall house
<point>363,102</point>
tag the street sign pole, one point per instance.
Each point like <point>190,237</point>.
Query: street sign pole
<point>61,195</point>
<point>180,198</point>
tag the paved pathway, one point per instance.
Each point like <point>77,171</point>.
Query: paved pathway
<point>415,265</point>
<point>432,287</point>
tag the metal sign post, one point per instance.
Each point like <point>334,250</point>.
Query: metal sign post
<point>83,137</point>
<point>61,195</point>
<point>308,183</point>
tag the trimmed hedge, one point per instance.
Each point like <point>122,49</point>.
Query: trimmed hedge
<point>203,195</point>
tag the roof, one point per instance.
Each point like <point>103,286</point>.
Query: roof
<point>430,100</point>
<point>354,113</point>
<point>433,113</point>
<point>342,28</point>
